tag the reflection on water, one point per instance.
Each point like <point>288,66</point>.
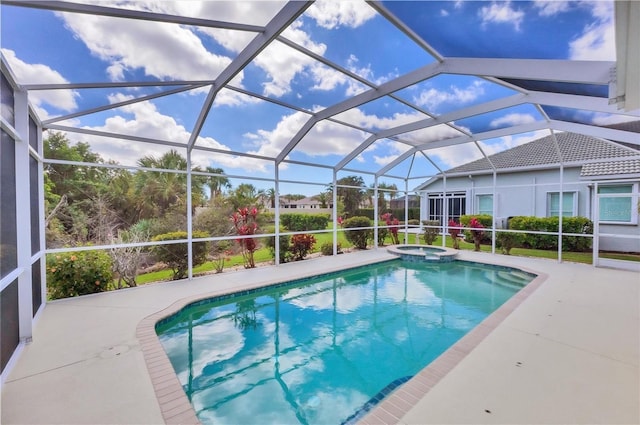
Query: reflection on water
<point>319,351</point>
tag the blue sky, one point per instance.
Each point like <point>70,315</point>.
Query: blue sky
<point>48,47</point>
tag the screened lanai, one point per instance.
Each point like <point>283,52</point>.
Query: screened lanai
<point>303,98</point>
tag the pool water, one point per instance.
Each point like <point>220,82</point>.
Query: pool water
<point>320,352</point>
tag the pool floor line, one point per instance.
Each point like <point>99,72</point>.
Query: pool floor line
<point>391,409</point>
<point>177,409</point>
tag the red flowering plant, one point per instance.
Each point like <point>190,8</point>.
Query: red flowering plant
<point>301,245</point>
<point>393,225</point>
<point>454,231</point>
<point>476,232</point>
<point>245,222</point>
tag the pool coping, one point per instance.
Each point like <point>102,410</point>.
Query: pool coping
<point>441,254</point>
<point>176,408</point>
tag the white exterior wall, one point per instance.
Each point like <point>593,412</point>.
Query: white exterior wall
<point>526,194</point>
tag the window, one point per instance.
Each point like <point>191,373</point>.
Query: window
<point>569,204</point>
<point>485,204</point>
<point>617,204</point>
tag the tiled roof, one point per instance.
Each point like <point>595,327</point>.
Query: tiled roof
<point>611,168</point>
<point>573,147</point>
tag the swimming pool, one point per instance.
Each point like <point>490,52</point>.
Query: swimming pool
<point>321,350</point>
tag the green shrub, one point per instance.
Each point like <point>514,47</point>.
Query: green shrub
<point>327,248</point>
<point>301,245</point>
<point>413,222</point>
<point>175,256</point>
<point>285,246</point>
<point>382,235</point>
<point>485,219</point>
<point>296,222</point>
<point>358,237</point>
<point>506,241</point>
<point>78,273</point>
<point>580,225</point>
<point>413,213</point>
<point>430,233</point>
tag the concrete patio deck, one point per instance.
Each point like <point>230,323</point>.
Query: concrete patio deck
<point>569,353</point>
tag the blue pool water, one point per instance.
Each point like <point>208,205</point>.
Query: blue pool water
<point>322,350</point>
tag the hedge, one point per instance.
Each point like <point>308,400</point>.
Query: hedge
<point>414,213</point>
<point>296,222</point>
<point>580,225</point>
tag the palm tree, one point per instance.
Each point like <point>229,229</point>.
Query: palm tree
<point>391,188</point>
<point>157,192</point>
<point>271,196</point>
<point>217,183</point>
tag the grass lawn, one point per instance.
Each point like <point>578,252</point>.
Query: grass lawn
<point>263,255</point>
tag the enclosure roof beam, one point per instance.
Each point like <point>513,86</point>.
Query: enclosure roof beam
<point>285,17</point>
<point>362,98</point>
<point>571,71</point>
<point>595,131</point>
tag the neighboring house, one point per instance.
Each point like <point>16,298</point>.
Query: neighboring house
<point>528,182</point>
<point>413,202</point>
<point>304,203</point>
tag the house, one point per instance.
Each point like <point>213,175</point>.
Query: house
<point>307,203</point>
<point>529,179</point>
<point>413,201</point>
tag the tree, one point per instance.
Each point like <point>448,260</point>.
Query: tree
<point>216,183</point>
<point>390,190</point>
<point>244,194</point>
<point>323,198</point>
<point>77,195</point>
<point>271,197</point>
<point>158,192</point>
<point>352,196</point>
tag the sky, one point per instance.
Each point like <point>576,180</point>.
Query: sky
<point>51,47</point>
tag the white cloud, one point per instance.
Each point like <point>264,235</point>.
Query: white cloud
<point>501,13</point>
<point>433,98</point>
<point>334,14</point>
<point>64,100</point>
<point>609,119</point>
<point>551,7</point>
<point>144,120</point>
<point>325,138</point>
<point>161,50</point>
<point>508,142</point>
<point>512,119</point>
<point>443,12</point>
<point>452,156</point>
<point>597,40</point>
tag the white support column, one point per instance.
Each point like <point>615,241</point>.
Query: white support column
<point>494,212</point>
<point>276,182</point>
<point>189,218</point>
<point>23,216</point>
<point>41,212</point>
<point>335,213</point>
<point>376,213</point>
<point>560,215</point>
<point>596,226</point>
<point>445,209</point>
<point>406,210</point>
